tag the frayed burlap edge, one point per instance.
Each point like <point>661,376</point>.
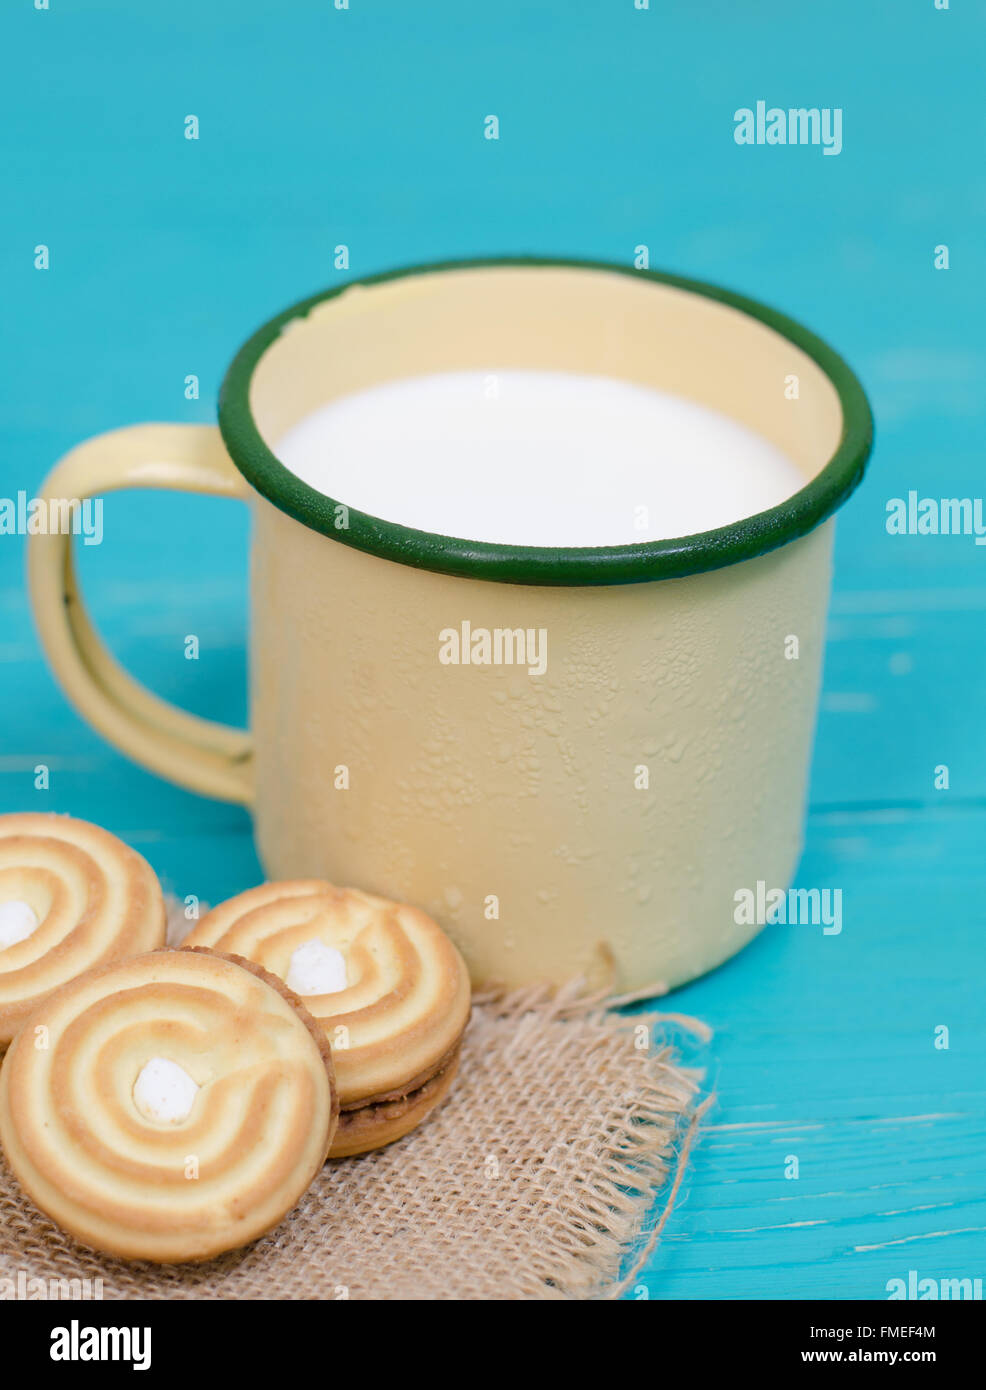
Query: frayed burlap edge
<point>649,1146</point>
<point>534,1180</point>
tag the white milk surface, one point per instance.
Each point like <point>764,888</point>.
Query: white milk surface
<point>537,458</point>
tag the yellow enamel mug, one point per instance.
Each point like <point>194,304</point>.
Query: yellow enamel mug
<point>592,819</point>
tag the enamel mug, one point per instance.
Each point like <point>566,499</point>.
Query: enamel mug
<point>593,819</point>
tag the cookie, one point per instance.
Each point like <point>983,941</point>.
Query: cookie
<point>72,896</point>
<point>383,980</point>
<point>168,1107</point>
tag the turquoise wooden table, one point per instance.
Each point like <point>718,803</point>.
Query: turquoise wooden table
<point>363,128</point>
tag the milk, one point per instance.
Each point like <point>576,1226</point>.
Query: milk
<point>537,458</point>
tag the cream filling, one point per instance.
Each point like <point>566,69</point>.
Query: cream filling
<point>164,1092</point>
<point>317,969</point>
<point>18,921</point>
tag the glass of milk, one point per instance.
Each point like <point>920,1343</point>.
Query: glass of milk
<point>540,567</point>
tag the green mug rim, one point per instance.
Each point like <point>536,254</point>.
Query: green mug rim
<point>671,558</point>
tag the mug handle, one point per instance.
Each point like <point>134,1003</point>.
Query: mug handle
<point>205,756</point>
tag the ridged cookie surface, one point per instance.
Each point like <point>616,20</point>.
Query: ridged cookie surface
<point>406,998</point>
<point>95,900</point>
<point>75,1087</point>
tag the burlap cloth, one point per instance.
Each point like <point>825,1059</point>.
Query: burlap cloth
<point>535,1179</point>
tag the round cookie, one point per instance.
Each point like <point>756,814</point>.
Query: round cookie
<point>168,1107</point>
<point>72,896</point>
<point>383,980</point>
